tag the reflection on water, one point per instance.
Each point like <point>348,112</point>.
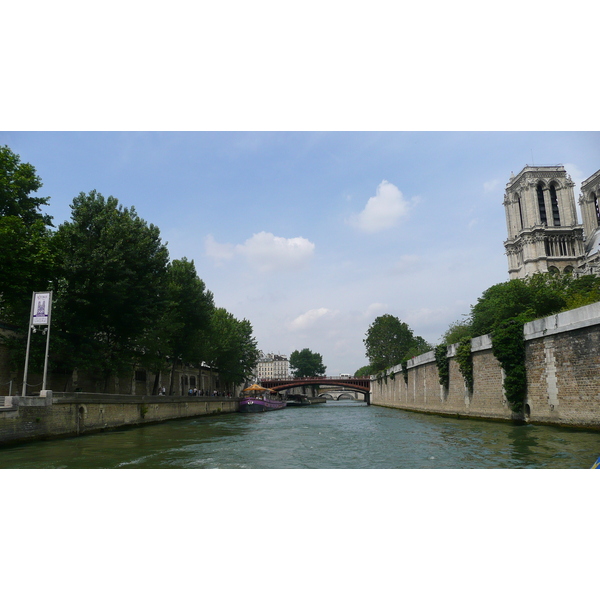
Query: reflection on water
<point>337,435</point>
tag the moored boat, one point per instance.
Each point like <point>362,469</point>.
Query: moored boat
<point>259,399</point>
<point>297,400</point>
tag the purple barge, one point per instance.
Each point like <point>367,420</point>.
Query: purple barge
<point>257,399</point>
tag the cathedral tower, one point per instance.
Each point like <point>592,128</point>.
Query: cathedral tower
<point>543,233</point>
<point>589,203</point>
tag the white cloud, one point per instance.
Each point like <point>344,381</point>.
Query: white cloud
<point>383,210</point>
<point>376,308</point>
<point>490,186</point>
<point>310,317</point>
<point>265,252</point>
<point>219,252</point>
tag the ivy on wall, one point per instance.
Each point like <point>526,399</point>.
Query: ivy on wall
<point>404,365</point>
<point>508,346</point>
<point>464,358</point>
<point>443,364</point>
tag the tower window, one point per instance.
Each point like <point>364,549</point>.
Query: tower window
<point>554,202</point>
<point>521,212</point>
<point>541,204</point>
<point>596,206</point>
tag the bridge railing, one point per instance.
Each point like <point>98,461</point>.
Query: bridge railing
<point>333,378</point>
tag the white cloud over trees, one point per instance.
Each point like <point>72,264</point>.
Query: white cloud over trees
<point>382,211</point>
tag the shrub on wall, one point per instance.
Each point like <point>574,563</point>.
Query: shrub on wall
<point>443,364</point>
<point>464,358</point>
<point>508,346</point>
<point>404,365</point>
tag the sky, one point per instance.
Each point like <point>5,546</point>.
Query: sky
<point>312,235</point>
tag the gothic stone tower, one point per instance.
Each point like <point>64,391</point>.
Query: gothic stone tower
<point>589,203</point>
<point>543,233</point>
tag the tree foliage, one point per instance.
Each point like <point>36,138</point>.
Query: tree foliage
<point>25,241</point>
<point>232,349</point>
<point>510,299</point>
<point>179,336</point>
<point>305,363</point>
<point>27,265</point>
<point>17,182</point>
<point>364,371</point>
<point>112,267</point>
<point>389,341</point>
<point>457,331</point>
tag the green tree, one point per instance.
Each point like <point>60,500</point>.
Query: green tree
<point>112,268</point>
<point>457,331</point>
<point>232,349</point>
<point>418,346</point>
<point>582,290</point>
<point>364,371</point>
<point>305,363</point>
<point>525,299</point>
<point>389,341</point>
<point>179,336</point>
<point>27,266</point>
<point>17,182</point>
<point>25,241</point>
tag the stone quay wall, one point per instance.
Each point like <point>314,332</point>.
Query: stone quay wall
<point>57,415</point>
<point>563,376</point>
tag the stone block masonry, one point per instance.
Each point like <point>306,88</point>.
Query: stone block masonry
<point>33,418</point>
<point>563,376</point>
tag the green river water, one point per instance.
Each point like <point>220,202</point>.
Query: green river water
<point>336,435</point>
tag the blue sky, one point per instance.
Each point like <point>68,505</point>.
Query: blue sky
<point>312,235</point>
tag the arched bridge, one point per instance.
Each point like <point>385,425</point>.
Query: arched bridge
<point>362,384</point>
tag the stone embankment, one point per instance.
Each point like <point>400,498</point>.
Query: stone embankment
<point>563,376</point>
<point>55,415</point>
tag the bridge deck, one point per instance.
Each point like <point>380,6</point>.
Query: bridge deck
<point>362,384</point>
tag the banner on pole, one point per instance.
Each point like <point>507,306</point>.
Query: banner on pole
<point>41,308</point>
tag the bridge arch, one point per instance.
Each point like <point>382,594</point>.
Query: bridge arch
<point>360,384</point>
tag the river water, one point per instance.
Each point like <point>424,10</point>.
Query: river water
<point>342,434</point>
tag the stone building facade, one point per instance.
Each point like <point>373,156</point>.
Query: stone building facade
<point>544,234</point>
<point>273,366</point>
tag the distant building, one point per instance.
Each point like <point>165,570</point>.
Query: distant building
<point>273,366</point>
<point>543,230</point>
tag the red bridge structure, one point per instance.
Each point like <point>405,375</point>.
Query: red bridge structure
<point>362,384</point>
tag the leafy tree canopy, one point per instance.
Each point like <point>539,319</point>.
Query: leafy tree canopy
<point>538,296</point>
<point>418,346</point>
<point>187,313</point>
<point>180,333</point>
<point>364,371</point>
<point>112,269</point>
<point>305,363</point>
<point>17,182</point>
<point>389,341</point>
<point>457,331</point>
<point>26,266</point>
<point>232,349</point>
<point>25,248</point>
